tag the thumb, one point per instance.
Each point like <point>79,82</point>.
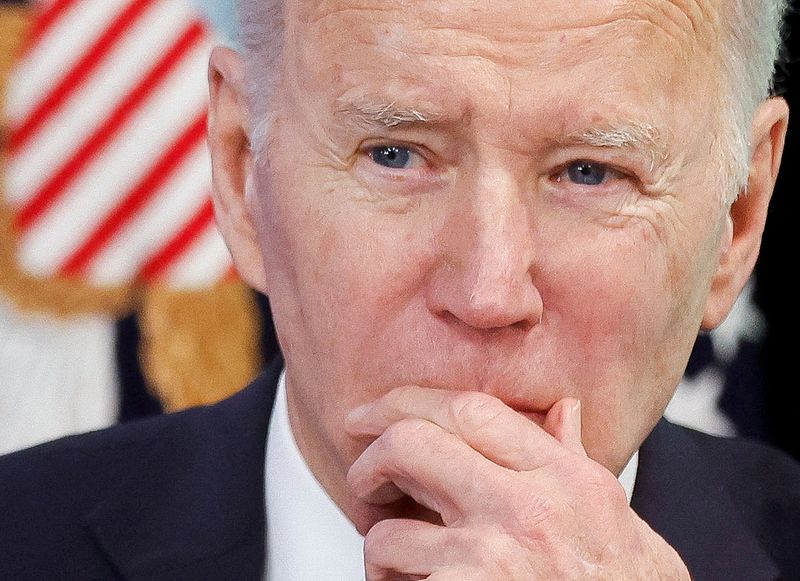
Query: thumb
<point>563,422</point>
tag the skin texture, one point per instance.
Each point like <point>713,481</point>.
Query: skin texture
<point>478,287</point>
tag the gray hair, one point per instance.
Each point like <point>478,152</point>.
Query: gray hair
<point>260,32</point>
<point>749,55</point>
<point>749,51</point>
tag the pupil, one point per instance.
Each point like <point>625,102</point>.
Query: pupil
<point>392,157</point>
<point>587,174</point>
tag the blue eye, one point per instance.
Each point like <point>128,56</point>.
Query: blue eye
<point>391,156</point>
<point>587,173</point>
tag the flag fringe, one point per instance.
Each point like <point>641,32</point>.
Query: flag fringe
<point>199,347</point>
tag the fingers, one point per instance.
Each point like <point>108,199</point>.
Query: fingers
<point>418,458</point>
<point>400,549</point>
<point>483,422</point>
<point>411,548</point>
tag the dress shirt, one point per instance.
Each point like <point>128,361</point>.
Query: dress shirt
<point>308,537</point>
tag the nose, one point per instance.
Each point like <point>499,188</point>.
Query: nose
<point>485,276</point>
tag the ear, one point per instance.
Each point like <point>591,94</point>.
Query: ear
<point>231,162</point>
<point>744,226</point>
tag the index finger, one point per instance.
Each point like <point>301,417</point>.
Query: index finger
<point>486,424</point>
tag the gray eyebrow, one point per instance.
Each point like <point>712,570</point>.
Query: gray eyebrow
<point>631,135</point>
<point>637,136</point>
<point>387,115</point>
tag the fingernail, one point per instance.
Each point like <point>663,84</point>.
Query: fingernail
<point>576,418</point>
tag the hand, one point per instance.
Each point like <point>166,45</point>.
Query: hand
<point>516,500</point>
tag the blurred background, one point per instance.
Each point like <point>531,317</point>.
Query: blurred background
<point>117,297</point>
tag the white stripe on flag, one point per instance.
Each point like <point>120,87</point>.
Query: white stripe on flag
<point>204,264</point>
<point>56,53</point>
<point>44,248</point>
<point>180,197</point>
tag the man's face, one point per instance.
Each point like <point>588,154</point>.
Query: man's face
<point>511,197</point>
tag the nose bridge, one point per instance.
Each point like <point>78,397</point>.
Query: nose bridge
<point>501,244</point>
<point>492,254</point>
<point>500,252</point>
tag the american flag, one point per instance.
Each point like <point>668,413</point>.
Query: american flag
<point>105,184</point>
<point>107,172</point>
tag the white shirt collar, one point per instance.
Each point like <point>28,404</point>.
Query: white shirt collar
<point>308,536</point>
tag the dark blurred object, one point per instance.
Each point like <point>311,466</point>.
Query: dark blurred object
<point>136,399</point>
<point>777,265</point>
<point>269,340</point>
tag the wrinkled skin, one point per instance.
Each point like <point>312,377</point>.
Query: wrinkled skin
<point>469,274</point>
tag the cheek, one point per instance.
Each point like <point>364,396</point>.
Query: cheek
<point>606,291</point>
<point>624,310</point>
<point>341,269</point>
<point>610,307</point>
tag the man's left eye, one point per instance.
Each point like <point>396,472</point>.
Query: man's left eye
<point>393,156</point>
<point>585,173</point>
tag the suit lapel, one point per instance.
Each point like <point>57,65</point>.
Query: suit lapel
<point>680,494</point>
<point>193,504</point>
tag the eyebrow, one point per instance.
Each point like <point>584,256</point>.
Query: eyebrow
<point>383,115</point>
<point>634,136</point>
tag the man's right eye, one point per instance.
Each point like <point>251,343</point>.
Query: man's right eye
<point>394,157</point>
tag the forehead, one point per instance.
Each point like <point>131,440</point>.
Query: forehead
<point>423,38</point>
<point>548,67</point>
<point>686,21</point>
<point>522,36</point>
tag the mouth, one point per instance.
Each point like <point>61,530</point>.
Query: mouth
<point>535,416</point>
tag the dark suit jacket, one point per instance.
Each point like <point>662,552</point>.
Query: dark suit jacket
<point>181,497</point>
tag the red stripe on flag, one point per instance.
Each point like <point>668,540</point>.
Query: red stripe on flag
<point>179,243</point>
<point>46,20</point>
<point>56,186</point>
<point>137,198</point>
<point>76,76</point>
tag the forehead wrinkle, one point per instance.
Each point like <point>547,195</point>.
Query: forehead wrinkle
<point>315,12</point>
<point>684,17</point>
<point>696,11</point>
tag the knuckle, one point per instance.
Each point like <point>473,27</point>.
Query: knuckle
<point>600,483</point>
<point>405,433</point>
<point>534,512</point>
<point>533,516</point>
<point>499,554</point>
<point>488,547</point>
<point>474,410</point>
